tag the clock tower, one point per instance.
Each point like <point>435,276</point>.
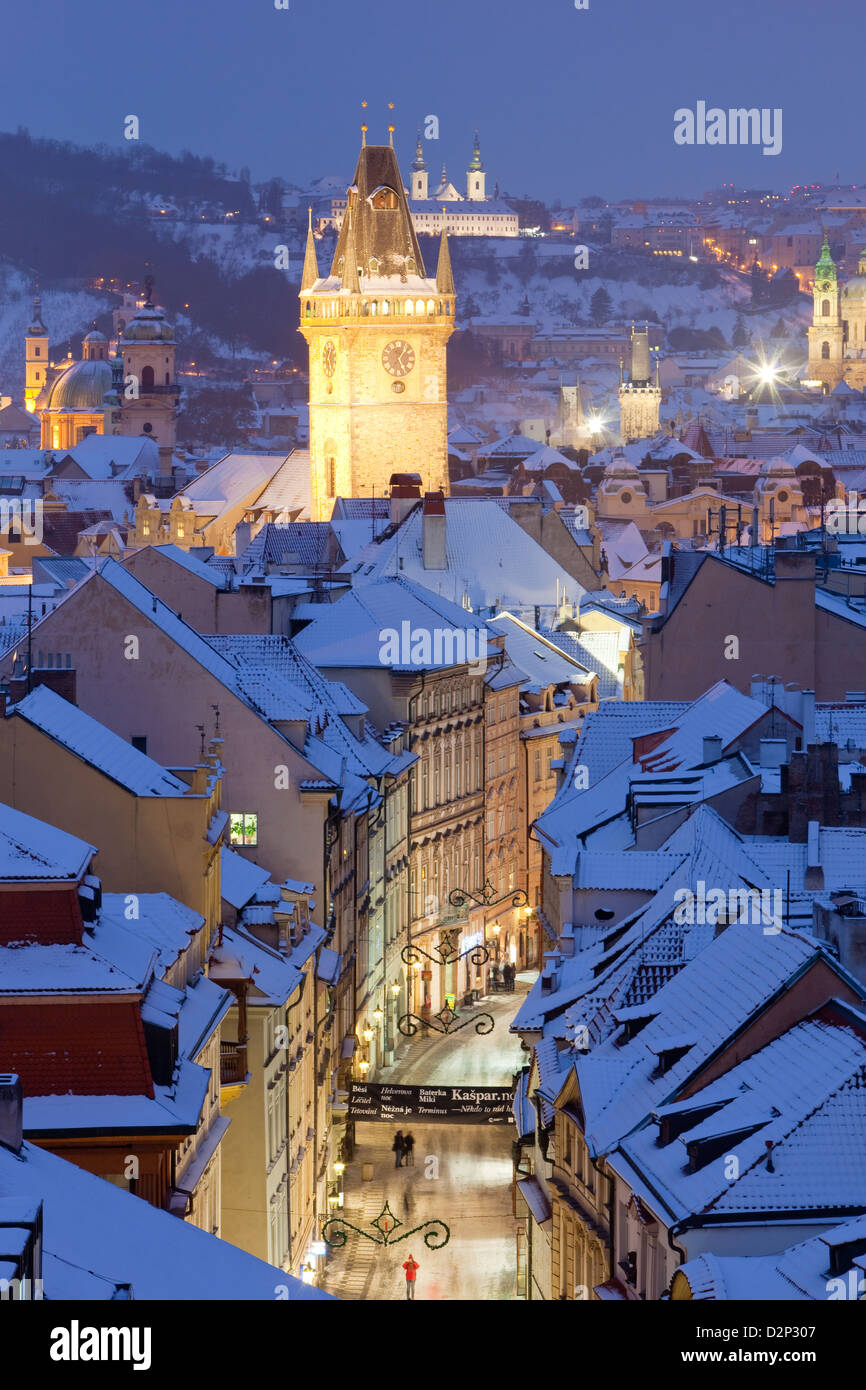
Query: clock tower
<point>827,333</point>
<point>376,327</point>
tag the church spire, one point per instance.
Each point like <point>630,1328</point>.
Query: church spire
<point>419,164</point>
<point>826,267</point>
<point>349,278</point>
<point>444,273</point>
<point>311,266</point>
<point>475,165</point>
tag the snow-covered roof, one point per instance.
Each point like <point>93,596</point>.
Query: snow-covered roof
<point>91,741</point>
<point>349,632</point>
<point>96,1237</point>
<point>32,849</point>
<point>488,557</point>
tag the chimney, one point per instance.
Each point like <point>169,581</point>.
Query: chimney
<point>712,748</point>
<point>550,972</point>
<point>405,493</point>
<point>11,1118</point>
<point>814,873</point>
<point>243,536</point>
<point>808,719</point>
<point>774,752</point>
<point>433,531</point>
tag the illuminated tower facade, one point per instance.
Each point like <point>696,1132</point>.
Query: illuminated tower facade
<point>377,328</point>
<point>640,397</point>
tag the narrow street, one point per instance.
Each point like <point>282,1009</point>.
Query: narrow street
<point>462,1176</point>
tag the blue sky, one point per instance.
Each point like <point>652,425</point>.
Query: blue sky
<point>568,102</point>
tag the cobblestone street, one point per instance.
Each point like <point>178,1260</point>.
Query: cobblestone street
<point>461,1175</point>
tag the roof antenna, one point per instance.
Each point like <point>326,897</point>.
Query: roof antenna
<point>200,728</point>
<point>216,710</point>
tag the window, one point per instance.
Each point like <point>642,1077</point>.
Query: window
<point>825,350</point>
<point>330,477</point>
<point>537,765</point>
<point>825,308</point>
<point>244,828</point>
<point>146,379</point>
<point>385,200</point>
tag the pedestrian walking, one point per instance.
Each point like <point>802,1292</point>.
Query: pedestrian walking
<point>409,1148</point>
<point>397,1146</point>
<point>509,977</point>
<point>411,1267</point>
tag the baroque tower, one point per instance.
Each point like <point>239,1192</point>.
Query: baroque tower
<point>376,327</point>
<point>35,357</point>
<point>639,398</point>
<point>419,174</point>
<point>827,332</point>
<point>475,175</point>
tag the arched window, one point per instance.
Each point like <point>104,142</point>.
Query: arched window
<point>825,308</point>
<point>410,307</point>
<point>825,350</point>
<point>374,307</point>
<point>419,306</point>
<point>386,306</point>
<point>385,200</point>
<point>431,307</point>
<point>147,378</point>
<point>365,310</point>
<point>167,381</point>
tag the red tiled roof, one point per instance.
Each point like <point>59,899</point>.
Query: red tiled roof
<point>46,916</point>
<point>92,1048</point>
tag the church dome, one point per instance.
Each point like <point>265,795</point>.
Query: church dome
<point>148,326</point>
<point>855,289</point>
<point>622,467</point>
<point>94,336</point>
<point>82,386</point>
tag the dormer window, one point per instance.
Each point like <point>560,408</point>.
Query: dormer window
<point>384,200</point>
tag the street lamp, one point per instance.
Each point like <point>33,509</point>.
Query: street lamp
<point>378,1014</point>
<point>364,1066</point>
<point>368,1032</point>
<point>395,988</point>
<point>339,1168</point>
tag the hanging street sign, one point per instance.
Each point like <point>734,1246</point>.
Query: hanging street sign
<point>467,1105</point>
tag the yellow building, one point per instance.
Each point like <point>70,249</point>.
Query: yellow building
<point>377,329</point>
<point>837,336</point>
<point>134,393</point>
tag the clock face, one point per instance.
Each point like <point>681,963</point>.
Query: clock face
<point>329,358</point>
<point>398,357</point>
<point>825,285</point>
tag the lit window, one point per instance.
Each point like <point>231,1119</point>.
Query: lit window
<point>244,828</point>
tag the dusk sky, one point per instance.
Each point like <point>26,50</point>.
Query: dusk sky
<point>564,107</point>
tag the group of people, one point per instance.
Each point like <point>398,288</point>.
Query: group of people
<point>404,1148</point>
<point>508,973</point>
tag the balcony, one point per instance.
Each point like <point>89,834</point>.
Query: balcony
<point>233,1063</point>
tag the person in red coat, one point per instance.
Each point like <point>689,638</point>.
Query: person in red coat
<point>411,1267</point>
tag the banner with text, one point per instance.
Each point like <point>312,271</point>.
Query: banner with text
<point>484,1105</point>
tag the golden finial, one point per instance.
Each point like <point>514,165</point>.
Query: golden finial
<point>363,127</point>
<point>391,128</point>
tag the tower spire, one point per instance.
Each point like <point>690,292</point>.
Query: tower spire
<point>444,273</point>
<point>475,164</point>
<point>311,266</point>
<point>349,278</point>
<point>420,164</point>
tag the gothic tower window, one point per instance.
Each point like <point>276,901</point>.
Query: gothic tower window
<point>825,308</point>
